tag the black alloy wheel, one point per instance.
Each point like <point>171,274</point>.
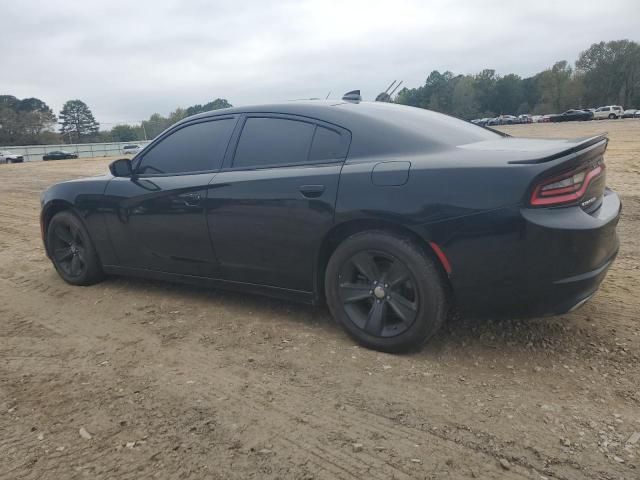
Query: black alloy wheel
<point>378,293</point>
<point>72,251</point>
<point>386,291</point>
<point>68,250</point>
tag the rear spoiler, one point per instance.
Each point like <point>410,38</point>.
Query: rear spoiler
<point>582,143</point>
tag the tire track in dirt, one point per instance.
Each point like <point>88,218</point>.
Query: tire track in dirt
<point>253,401</point>
<point>365,425</point>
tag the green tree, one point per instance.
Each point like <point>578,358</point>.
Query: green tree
<point>559,89</point>
<point>157,123</point>
<point>77,122</point>
<point>464,101</point>
<point>216,104</point>
<point>508,94</point>
<point>485,84</point>
<point>611,73</point>
<point>124,133</point>
<point>24,121</point>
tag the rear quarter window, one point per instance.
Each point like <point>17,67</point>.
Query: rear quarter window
<point>327,145</point>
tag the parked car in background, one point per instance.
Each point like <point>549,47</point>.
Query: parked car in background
<point>481,121</point>
<point>572,115</point>
<point>378,209</point>
<point>131,149</point>
<point>537,118</point>
<point>631,113</point>
<point>610,112</point>
<point>507,120</point>
<point>525,118</point>
<point>8,157</point>
<point>59,155</point>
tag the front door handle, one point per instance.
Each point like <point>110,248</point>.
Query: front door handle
<point>191,199</point>
<point>311,191</point>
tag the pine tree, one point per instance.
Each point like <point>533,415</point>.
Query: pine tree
<point>77,122</point>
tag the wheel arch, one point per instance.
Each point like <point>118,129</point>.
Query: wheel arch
<point>344,230</point>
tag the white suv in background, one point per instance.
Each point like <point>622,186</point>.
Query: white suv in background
<point>612,111</point>
<point>131,149</point>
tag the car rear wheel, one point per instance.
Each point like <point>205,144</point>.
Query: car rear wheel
<point>72,251</point>
<point>386,291</point>
<point>611,116</point>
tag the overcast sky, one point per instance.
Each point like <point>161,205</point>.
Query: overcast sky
<point>129,59</point>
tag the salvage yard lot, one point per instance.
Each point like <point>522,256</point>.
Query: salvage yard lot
<point>172,381</point>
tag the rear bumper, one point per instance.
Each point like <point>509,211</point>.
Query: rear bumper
<point>568,294</point>
<point>525,262</point>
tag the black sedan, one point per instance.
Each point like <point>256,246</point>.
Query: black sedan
<point>572,115</point>
<point>59,155</point>
<point>392,215</point>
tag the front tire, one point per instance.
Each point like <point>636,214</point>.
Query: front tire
<point>72,251</point>
<point>387,293</point>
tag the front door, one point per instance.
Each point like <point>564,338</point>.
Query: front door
<point>156,220</point>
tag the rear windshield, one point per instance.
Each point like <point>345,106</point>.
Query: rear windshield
<point>437,127</point>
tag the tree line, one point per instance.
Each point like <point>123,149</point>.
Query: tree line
<point>30,121</point>
<point>607,73</point>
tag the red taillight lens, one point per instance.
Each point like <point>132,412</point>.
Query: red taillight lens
<point>566,188</point>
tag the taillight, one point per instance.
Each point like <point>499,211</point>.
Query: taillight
<point>566,188</point>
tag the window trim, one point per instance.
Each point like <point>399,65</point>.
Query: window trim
<point>173,129</point>
<point>345,136</point>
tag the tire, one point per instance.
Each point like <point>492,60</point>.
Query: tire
<point>72,252</point>
<point>398,311</point>
<point>611,116</point>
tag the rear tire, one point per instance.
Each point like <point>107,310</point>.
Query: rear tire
<point>611,116</point>
<point>72,251</point>
<point>387,293</point>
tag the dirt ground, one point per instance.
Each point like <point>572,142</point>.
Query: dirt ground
<point>135,379</point>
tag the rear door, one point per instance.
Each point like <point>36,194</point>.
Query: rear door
<point>156,219</point>
<point>270,207</point>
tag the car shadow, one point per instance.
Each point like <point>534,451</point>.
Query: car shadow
<point>458,336</point>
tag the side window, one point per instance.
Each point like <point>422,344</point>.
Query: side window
<point>273,141</point>
<point>327,145</point>
<point>194,148</point>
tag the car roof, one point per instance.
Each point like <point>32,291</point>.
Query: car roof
<point>377,128</point>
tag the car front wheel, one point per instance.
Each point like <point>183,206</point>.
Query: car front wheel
<point>72,251</point>
<point>386,291</point>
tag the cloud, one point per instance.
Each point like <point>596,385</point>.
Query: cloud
<point>127,60</point>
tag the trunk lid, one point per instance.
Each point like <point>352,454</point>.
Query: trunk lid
<point>561,172</point>
<point>536,150</point>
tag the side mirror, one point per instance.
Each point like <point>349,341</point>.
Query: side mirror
<point>121,168</point>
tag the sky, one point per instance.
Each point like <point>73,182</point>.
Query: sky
<point>129,59</point>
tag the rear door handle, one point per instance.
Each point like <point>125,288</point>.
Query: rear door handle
<point>311,191</point>
<point>191,199</point>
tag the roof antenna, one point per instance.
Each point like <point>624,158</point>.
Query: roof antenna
<point>394,90</point>
<point>386,95</point>
<point>352,96</point>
